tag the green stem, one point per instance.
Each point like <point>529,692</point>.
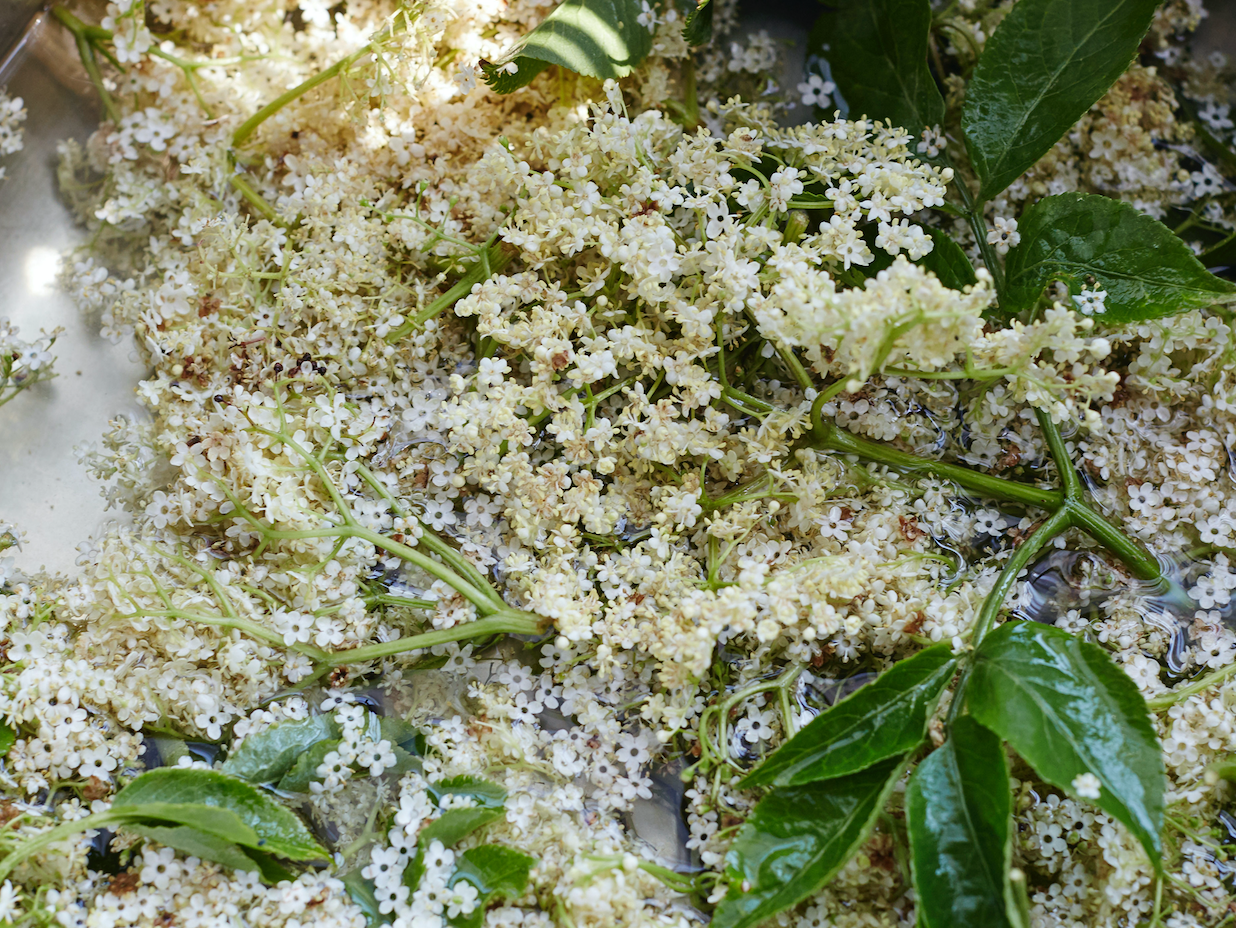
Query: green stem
<point>974,216</point>
<point>1200,685</point>
<point>250,125</point>
<point>1026,552</point>
<point>828,436</point>
<point>506,622</point>
<point>1056,523</point>
<point>453,558</point>
<point>256,200</point>
<point>491,262</point>
<point>33,845</point>
<point>1141,563</point>
<point>89,62</point>
<point>1060,454</point>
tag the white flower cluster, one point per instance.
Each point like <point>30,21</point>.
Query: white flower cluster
<point>610,428</point>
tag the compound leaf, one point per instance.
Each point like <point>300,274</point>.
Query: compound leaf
<point>948,262</point>
<point>877,52</point>
<point>269,754</point>
<point>1084,238</point>
<point>958,809</point>
<point>885,718</point>
<point>1046,64</point>
<point>596,38</point>
<point>158,794</point>
<point>796,840</point>
<point>496,872</point>
<point>1068,710</point>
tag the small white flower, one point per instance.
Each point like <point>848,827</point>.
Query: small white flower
<point>1005,235</point>
<point>1087,786</point>
<point>815,91</point>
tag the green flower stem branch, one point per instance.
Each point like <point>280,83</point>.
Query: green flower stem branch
<point>250,125</point>
<point>32,846</point>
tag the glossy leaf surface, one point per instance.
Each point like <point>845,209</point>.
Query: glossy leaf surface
<point>1146,270</point>
<point>948,262</point>
<point>958,809</point>
<point>304,771</point>
<point>8,737</point>
<point>1047,62</point>
<point>698,27</point>
<point>222,823</point>
<point>796,840</point>
<point>278,830</point>
<point>877,51</point>
<point>497,872</point>
<point>456,824</point>
<point>200,844</point>
<point>361,891</point>
<point>487,794</point>
<point>885,718</point>
<point>596,38</point>
<point>268,755</point>
<point>1068,710</point>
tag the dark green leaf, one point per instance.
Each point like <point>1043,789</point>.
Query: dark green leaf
<point>404,762</point>
<point>1068,710</point>
<point>272,871</point>
<point>958,810</point>
<point>222,823</point>
<point>488,795</point>
<point>883,719</point>
<point>361,892</point>
<point>1046,64</point>
<point>456,824</point>
<point>278,830</point>
<point>496,872</point>
<point>199,844</point>
<point>8,737</point>
<point>796,840</point>
<point>596,38</point>
<point>415,869</point>
<point>948,262</point>
<point>268,755</point>
<point>877,51</point>
<point>402,735</point>
<point>1147,271</point>
<point>697,30</point>
<point>304,771</point>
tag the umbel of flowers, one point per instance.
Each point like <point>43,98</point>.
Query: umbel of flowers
<point>515,455</point>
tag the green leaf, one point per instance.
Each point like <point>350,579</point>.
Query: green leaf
<point>877,51</point>
<point>402,735</point>
<point>885,718</point>
<point>1068,710</point>
<point>272,871</point>
<point>697,30</point>
<point>796,840</point>
<point>268,755</point>
<point>488,795</point>
<point>304,771</point>
<point>415,869</point>
<point>198,843</point>
<point>221,823</point>
<point>8,738</point>
<point>362,893</point>
<point>948,262</point>
<point>596,38</point>
<point>958,810</point>
<point>456,824</point>
<point>1046,64</point>
<point>1147,271</point>
<point>278,830</point>
<point>496,872</point>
